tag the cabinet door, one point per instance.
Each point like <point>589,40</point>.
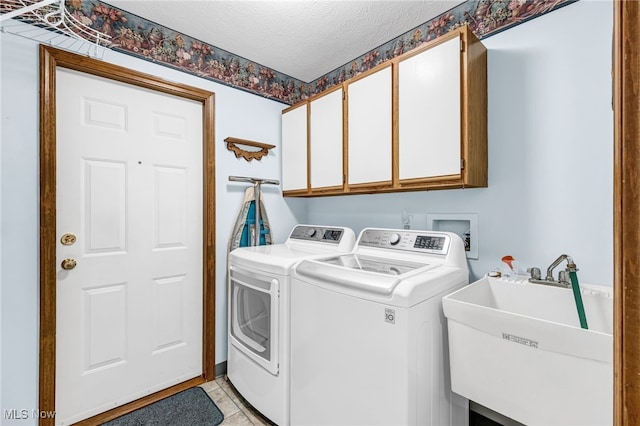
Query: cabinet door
<point>429,112</point>
<point>294,149</point>
<point>325,140</point>
<point>369,124</point>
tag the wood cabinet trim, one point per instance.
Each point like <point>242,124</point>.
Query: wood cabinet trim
<point>324,93</point>
<point>395,125</point>
<point>345,137</point>
<point>292,107</point>
<point>295,193</point>
<point>367,73</point>
<point>326,189</point>
<point>474,148</point>
<point>308,146</point>
<point>462,32</point>
<point>433,179</point>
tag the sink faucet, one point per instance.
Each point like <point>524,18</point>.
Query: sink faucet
<point>567,279</point>
<point>563,280</point>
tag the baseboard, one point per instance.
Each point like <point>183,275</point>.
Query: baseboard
<point>221,369</point>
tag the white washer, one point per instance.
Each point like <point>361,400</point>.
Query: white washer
<point>258,317</point>
<point>368,336</point>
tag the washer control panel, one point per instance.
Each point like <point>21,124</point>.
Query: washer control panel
<point>403,239</point>
<point>317,233</point>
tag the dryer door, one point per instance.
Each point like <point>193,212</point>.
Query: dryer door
<point>253,319</point>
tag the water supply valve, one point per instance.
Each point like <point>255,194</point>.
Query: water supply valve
<point>535,273</point>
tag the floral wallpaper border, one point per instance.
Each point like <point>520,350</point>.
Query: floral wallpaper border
<point>147,40</point>
<point>484,17</point>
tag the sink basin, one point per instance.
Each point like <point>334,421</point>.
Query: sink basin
<point>518,349</point>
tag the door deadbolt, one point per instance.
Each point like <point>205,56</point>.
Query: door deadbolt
<point>68,264</point>
<point>68,239</point>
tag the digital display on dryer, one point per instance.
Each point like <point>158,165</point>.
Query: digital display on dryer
<point>332,235</point>
<point>429,242</point>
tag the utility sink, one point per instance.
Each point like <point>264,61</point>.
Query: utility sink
<point>518,349</point>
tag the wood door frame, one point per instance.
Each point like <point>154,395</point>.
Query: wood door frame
<point>626,218</point>
<point>50,59</point>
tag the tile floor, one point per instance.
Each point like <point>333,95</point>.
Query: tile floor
<point>237,411</point>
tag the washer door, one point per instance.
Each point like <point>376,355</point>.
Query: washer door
<point>253,325</point>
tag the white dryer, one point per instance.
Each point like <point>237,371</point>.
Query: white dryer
<point>258,313</point>
<point>368,336</point>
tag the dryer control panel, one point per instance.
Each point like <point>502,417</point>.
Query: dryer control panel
<point>402,239</point>
<point>317,233</point>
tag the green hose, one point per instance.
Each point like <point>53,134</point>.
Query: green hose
<point>578,297</point>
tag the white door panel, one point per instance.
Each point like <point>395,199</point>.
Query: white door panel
<point>294,149</point>
<point>129,185</point>
<point>325,140</point>
<point>105,206</point>
<point>429,112</point>
<point>370,126</point>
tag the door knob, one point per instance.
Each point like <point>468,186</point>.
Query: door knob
<point>69,264</point>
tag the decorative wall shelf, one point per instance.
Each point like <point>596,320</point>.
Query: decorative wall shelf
<point>232,145</point>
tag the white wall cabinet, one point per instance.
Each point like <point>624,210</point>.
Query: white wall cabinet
<point>429,112</point>
<point>442,114</point>
<point>325,140</point>
<point>294,148</point>
<point>416,122</point>
<point>370,128</point>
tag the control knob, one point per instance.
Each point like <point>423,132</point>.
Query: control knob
<point>394,239</point>
<point>310,232</point>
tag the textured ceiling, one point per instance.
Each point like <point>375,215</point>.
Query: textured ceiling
<point>304,39</point>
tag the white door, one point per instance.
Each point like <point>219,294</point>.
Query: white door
<point>129,187</point>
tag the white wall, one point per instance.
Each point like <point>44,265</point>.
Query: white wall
<point>19,267</point>
<point>550,152</point>
<point>238,114</point>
